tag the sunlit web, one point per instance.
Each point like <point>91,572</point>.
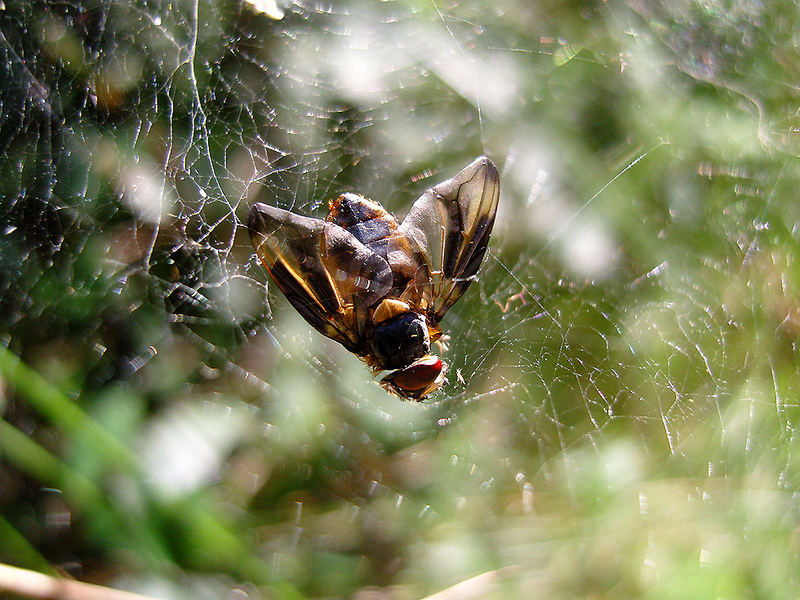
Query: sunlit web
<point>154,130</point>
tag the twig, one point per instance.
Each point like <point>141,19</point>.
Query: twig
<point>37,585</point>
<point>474,587</point>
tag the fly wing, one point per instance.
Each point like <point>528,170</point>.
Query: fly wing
<point>325,272</point>
<point>450,225</point>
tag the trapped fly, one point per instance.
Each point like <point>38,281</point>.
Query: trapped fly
<point>379,287</point>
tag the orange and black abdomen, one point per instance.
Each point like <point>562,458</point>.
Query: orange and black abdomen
<point>367,220</point>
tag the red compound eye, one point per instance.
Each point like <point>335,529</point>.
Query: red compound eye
<point>418,379</point>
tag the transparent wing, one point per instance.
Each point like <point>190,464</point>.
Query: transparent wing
<point>325,272</point>
<point>450,224</point>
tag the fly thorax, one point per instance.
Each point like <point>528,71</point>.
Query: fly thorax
<point>400,340</point>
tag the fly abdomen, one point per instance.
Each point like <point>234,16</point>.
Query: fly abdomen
<point>367,220</point>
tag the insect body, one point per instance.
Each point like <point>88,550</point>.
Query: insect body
<point>377,286</point>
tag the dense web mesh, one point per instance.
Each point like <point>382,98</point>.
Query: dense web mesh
<point>636,316</point>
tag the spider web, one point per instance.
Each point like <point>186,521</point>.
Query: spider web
<point>639,293</point>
